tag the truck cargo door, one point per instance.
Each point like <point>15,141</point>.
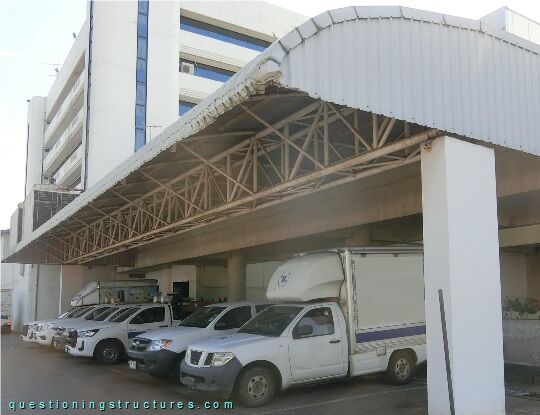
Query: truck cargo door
<point>316,348</point>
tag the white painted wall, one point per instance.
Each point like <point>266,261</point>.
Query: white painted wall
<point>112,95</point>
<point>36,119</point>
<point>163,53</point>
<point>254,18</point>
<point>48,291</point>
<point>461,257</point>
<point>513,275</point>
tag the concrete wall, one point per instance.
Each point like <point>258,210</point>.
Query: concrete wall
<point>175,273</point>
<point>48,291</point>
<point>522,342</point>
<point>36,119</point>
<point>74,277</point>
<point>513,275</point>
<point>533,276</point>
<point>214,281</point>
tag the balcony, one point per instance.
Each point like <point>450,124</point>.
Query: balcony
<point>70,170</point>
<point>70,139</point>
<point>73,102</point>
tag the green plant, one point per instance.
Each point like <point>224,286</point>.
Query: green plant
<point>527,306</point>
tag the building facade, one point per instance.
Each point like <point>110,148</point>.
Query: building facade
<point>133,69</point>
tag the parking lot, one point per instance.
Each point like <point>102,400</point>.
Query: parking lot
<point>33,373</point>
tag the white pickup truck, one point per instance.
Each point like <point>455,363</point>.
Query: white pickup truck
<point>44,332</point>
<point>160,352</point>
<point>369,317</point>
<point>28,329</point>
<point>6,310</point>
<point>108,341</point>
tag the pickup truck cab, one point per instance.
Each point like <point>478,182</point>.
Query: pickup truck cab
<point>160,352</point>
<point>341,314</point>
<point>108,341</point>
<point>45,332</point>
<point>28,329</point>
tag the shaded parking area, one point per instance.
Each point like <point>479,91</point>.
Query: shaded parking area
<point>33,373</point>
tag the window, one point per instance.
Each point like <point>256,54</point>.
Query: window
<point>261,307</point>
<point>184,107</point>
<point>316,322</point>
<point>202,317</point>
<point>108,312</point>
<point>234,319</point>
<point>209,72</point>
<point>123,315</point>
<point>272,321</point>
<point>141,74</point>
<point>96,312</point>
<point>79,312</point>
<point>225,35</point>
<point>149,315</point>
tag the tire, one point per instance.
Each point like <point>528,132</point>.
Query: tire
<point>108,352</point>
<point>256,387</point>
<point>401,368</point>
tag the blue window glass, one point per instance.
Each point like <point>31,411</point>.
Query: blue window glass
<point>140,138</point>
<point>211,72</point>
<point>141,70</point>
<point>143,7</point>
<point>224,35</point>
<point>184,107</point>
<point>140,116</point>
<point>141,47</point>
<point>142,25</point>
<point>141,94</point>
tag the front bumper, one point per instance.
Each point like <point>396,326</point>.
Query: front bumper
<point>84,347</point>
<point>218,381</point>
<point>159,362</point>
<point>44,337</point>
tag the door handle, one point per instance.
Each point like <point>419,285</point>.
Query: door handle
<point>334,341</point>
<point>164,325</point>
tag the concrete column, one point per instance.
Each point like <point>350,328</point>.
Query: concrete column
<point>236,267</point>
<point>462,259</point>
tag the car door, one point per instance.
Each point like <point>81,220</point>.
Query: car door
<point>315,349</point>
<point>233,319</point>
<point>149,318</point>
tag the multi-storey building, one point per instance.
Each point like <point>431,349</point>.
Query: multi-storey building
<point>134,67</point>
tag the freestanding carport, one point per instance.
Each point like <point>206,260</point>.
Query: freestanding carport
<point>325,131</point>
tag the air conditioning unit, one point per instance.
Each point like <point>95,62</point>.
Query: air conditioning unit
<point>187,67</point>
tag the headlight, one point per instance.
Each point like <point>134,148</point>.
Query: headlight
<point>158,344</point>
<point>221,358</point>
<point>87,333</point>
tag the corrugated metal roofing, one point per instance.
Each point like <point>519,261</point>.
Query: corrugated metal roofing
<point>451,73</point>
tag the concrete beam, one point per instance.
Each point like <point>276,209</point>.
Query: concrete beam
<point>524,235</point>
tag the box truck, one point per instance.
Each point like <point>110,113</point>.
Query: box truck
<point>338,314</point>
<point>6,310</point>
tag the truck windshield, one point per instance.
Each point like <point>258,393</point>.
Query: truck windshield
<point>271,321</point>
<point>104,313</point>
<point>202,317</point>
<point>78,313</point>
<point>125,314</point>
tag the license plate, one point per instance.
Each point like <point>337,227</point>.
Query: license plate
<point>133,364</point>
<point>189,381</point>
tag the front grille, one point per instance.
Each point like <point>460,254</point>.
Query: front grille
<point>195,357</point>
<point>71,338</point>
<point>140,345</point>
<point>24,330</point>
<point>208,359</point>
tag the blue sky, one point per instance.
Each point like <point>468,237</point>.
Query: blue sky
<point>34,33</point>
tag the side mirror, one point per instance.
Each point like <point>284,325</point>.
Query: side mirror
<point>303,331</point>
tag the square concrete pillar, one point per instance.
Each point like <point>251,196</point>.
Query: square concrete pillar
<point>462,261</point>
<point>236,268</point>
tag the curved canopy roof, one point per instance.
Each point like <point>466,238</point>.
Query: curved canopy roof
<point>443,72</point>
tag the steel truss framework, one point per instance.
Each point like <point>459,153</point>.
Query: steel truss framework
<point>317,147</point>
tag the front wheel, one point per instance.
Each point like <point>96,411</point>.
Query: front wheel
<point>401,368</point>
<point>108,353</point>
<point>256,387</point>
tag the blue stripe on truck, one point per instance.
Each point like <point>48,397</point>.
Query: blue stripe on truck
<point>132,334</point>
<point>390,334</point>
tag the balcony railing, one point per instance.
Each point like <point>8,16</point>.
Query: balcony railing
<point>66,168</point>
<point>63,141</point>
<point>75,91</point>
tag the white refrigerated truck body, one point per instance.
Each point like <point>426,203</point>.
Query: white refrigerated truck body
<point>348,312</point>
